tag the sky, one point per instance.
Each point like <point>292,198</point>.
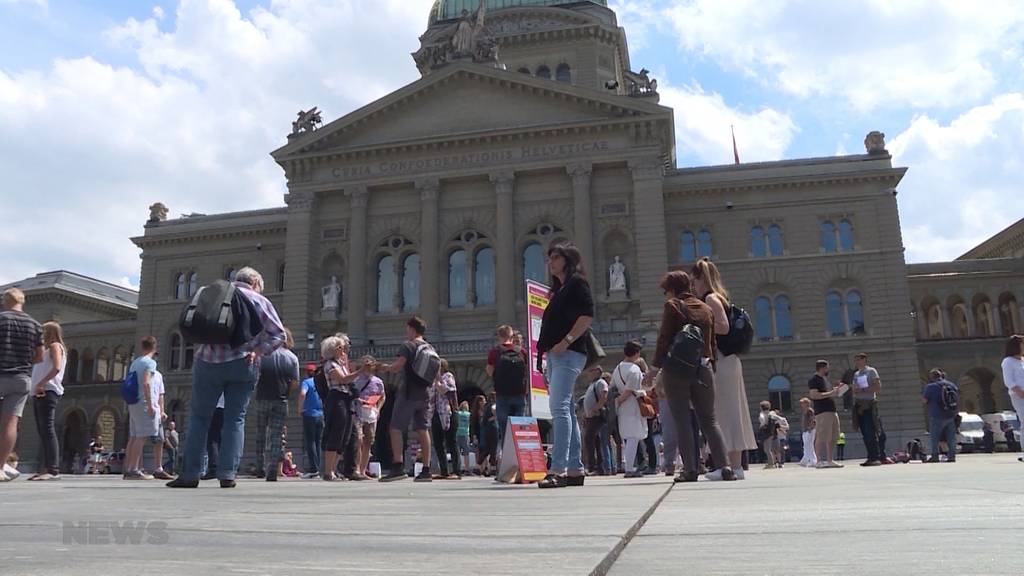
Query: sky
<point>108,107</point>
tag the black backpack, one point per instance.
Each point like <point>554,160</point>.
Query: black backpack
<point>949,397</point>
<point>321,385</point>
<point>510,372</point>
<point>741,332</point>
<point>769,429</point>
<point>687,349</point>
<point>219,314</point>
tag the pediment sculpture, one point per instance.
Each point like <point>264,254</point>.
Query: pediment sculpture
<point>468,38</point>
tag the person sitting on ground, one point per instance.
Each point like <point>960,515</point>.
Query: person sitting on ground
<point>288,467</point>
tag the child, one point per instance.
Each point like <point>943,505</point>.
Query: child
<point>288,467</point>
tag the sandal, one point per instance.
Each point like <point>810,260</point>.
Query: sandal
<point>553,481</point>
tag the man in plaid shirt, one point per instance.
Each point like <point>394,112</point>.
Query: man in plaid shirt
<point>234,372</point>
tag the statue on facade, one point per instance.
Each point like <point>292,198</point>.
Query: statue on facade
<point>331,294</point>
<point>157,213</point>
<point>307,121</point>
<point>874,143</point>
<point>468,31</point>
<point>617,276</point>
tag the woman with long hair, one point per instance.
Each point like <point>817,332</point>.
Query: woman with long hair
<point>1013,374</point>
<point>444,423</point>
<point>566,320</point>
<point>731,409</point>
<point>47,388</point>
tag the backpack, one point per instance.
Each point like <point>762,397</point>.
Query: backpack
<point>687,349</point>
<point>741,332</point>
<point>949,397</point>
<point>219,314</point>
<point>510,372</point>
<point>320,384</point>
<point>426,364</point>
<point>130,388</point>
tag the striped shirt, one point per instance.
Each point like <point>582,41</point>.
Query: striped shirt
<point>270,339</point>
<point>20,336</point>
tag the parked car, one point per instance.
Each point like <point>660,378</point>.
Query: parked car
<point>970,436</point>
<point>997,418</point>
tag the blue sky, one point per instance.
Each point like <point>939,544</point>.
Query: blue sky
<point>107,107</point>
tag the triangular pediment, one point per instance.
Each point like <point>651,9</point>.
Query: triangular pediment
<point>463,100</point>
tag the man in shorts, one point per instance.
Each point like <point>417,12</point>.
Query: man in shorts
<point>21,346</point>
<point>412,405</point>
<point>144,415</point>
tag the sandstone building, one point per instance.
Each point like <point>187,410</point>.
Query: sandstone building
<point>439,198</point>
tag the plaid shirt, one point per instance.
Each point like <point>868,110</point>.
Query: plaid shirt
<point>270,339</point>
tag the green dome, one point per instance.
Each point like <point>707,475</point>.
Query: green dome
<point>449,9</point>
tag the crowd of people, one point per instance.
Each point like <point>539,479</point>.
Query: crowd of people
<point>683,414</point>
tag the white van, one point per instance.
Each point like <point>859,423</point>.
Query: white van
<point>970,437</point>
<point>997,418</point>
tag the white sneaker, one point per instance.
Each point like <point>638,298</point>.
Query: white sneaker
<point>716,475</point>
<point>739,473</point>
<point>11,471</point>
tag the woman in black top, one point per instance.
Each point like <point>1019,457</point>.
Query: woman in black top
<point>566,320</point>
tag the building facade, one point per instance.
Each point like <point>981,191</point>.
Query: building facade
<point>529,126</point>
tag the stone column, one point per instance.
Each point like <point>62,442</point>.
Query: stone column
<point>947,323</point>
<point>583,218</point>
<point>357,265</point>
<point>997,319</point>
<point>649,234</point>
<point>505,247</point>
<point>429,190</point>
<point>295,312</point>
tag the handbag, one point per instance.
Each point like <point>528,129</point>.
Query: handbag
<point>595,353</point>
<point>645,403</point>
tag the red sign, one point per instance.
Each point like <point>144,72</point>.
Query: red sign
<point>522,457</point>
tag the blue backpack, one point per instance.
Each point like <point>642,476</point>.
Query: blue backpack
<point>130,388</point>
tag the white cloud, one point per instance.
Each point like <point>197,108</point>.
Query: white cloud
<point>158,12</point>
<point>963,185</point>
<point>44,4</point>
<point>702,127</point>
<point>921,53</point>
<point>86,147</point>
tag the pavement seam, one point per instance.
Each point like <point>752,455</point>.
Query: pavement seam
<point>613,555</point>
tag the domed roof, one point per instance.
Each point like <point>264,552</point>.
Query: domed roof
<point>449,9</point>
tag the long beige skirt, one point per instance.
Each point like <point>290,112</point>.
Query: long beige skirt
<point>731,409</point>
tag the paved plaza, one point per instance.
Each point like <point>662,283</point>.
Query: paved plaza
<point>963,518</point>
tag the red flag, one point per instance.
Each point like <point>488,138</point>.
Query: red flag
<point>735,152</point>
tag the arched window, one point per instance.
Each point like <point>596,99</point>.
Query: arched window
<point>458,279</point>
<point>544,72</point>
<point>958,320</point>
<point>525,70</point>
<point>563,73</point>
<point>188,355</point>
<point>934,321</point>
<point>763,318</point>
<point>120,364</point>
<point>757,243</point>
<point>533,263</point>
<point>1008,319</point>
<point>845,236</point>
<point>180,288</point>
<point>71,368</point>
<point>175,351</point>
<point>828,237</point>
<point>386,284</point>
<point>983,319</point>
<point>704,244</point>
<point>775,240</point>
<point>779,393</point>
<point>687,247</point>
<point>484,271</point>
<point>834,314</point>
<point>193,284</point>
<point>102,366</point>
<point>783,318</point>
<point>854,313</point>
<point>88,365</point>
<point>411,283</point>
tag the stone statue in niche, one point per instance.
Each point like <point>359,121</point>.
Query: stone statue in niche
<point>331,294</point>
<point>617,276</point>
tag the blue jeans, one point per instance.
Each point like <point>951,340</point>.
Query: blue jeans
<point>237,381</point>
<point>606,449</point>
<point>312,436</point>
<point>943,429</point>
<point>563,370</point>
<point>506,406</point>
